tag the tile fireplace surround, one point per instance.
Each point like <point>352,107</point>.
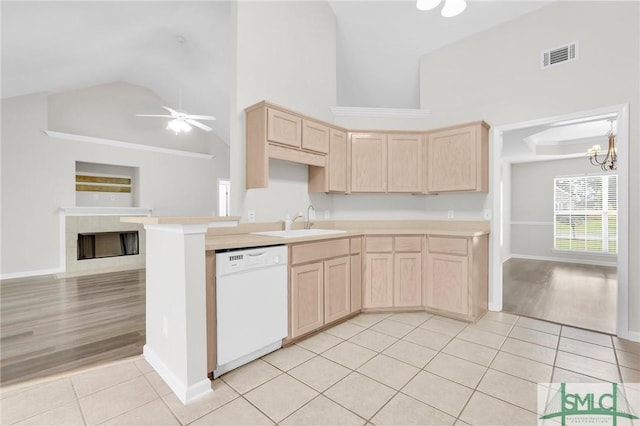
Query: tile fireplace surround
<point>86,220</point>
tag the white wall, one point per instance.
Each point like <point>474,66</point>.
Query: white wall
<point>532,209</point>
<point>286,53</point>
<point>505,242</point>
<point>496,76</point>
<point>38,177</point>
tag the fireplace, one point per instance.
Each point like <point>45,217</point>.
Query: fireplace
<point>107,244</point>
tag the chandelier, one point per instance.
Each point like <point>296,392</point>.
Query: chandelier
<point>451,7</point>
<point>608,162</point>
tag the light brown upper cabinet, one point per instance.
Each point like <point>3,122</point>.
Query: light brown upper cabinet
<point>333,177</point>
<point>405,171</point>
<point>315,136</point>
<point>284,128</point>
<point>368,162</point>
<point>458,159</point>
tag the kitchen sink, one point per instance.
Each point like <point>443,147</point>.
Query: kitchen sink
<point>299,233</point>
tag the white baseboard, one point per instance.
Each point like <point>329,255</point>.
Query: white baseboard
<point>564,260</point>
<point>185,393</point>
<point>26,274</point>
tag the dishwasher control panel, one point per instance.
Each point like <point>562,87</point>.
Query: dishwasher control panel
<point>229,262</point>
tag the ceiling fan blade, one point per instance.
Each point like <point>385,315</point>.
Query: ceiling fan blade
<point>153,115</point>
<point>173,112</point>
<point>198,125</point>
<point>201,117</point>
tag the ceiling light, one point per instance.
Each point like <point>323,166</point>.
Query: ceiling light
<point>611,157</point>
<point>179,126</point>
<point>427,4</point>
<point>450,8</point>
<point>453,8</point>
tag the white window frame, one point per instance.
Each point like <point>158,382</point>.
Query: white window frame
<point>604,212</point>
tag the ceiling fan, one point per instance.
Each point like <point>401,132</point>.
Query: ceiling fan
<point>181,121</point>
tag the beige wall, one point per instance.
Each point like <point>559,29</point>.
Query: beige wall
<point>496,76</point>
<point>285,53</point>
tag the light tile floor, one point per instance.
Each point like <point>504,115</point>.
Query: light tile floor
<point>380,369</point>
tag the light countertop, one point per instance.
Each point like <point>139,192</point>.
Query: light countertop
<point>225,239</point>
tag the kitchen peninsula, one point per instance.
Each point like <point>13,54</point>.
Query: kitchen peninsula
<point>438,266</point>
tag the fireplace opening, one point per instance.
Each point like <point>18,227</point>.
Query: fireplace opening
<point>107,244</point>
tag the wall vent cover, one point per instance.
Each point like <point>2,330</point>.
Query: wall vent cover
<point>559,55</point>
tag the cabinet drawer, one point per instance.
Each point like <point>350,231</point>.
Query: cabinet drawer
<point>408,244</point>
<point>356,245</point>
<point>448,245</point>
<point>309,252</point>
<point>379,244</point>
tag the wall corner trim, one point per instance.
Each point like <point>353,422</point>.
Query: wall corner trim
<point>126,145</point>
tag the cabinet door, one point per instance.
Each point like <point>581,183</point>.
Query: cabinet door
<point>407,285</point>
<point>368,162</point>
<point>448,283</point>
<point>307,298</point>
<point>315,136</point>
<point>284,128</point>
<point>337,161</point>
<point>405,169</point>
<point>337,289</point>
<point>356,282</point>
<point>453,160</point>
<point>378,283</point>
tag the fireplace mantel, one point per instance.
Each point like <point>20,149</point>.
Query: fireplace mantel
<point>105,211</point>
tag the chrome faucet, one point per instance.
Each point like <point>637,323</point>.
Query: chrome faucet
<point>308,224</point>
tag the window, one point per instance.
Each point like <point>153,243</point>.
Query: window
<point>586,213</point>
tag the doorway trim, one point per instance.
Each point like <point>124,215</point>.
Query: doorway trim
<point>495,267</point>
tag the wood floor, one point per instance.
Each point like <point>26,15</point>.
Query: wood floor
<point>50,325</point>
<point>567,293</point>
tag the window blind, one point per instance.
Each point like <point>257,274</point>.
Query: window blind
<point>586,213</point>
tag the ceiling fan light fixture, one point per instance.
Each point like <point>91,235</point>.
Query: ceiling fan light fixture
<point>178,126</point>
<point>453,8</point>
<point>427,4</point>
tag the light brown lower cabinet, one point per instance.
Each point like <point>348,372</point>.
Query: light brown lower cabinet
<point>378,282</point>
<point>337,291</point>
<point>393,272</point>
<point>307,298</point>
<point>356,274</point>
<point>456,281</point>
<point>407,280</point>
<point>320,279</point>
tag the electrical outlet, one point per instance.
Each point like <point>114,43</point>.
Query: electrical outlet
<point>165,326</point>
<point>450,214</point>
<point>327,215</point>
<point>252,216</point>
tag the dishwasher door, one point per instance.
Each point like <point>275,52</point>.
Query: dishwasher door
<point>251,305</point>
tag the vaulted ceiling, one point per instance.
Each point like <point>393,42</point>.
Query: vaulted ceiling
<point>54,46</point>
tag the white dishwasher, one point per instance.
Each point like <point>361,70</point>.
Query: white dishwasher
<point>251,304</point>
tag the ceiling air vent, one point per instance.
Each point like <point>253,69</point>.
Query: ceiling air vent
<point>559,55</point>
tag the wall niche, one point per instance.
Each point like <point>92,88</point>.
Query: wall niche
<point>106,185</point>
